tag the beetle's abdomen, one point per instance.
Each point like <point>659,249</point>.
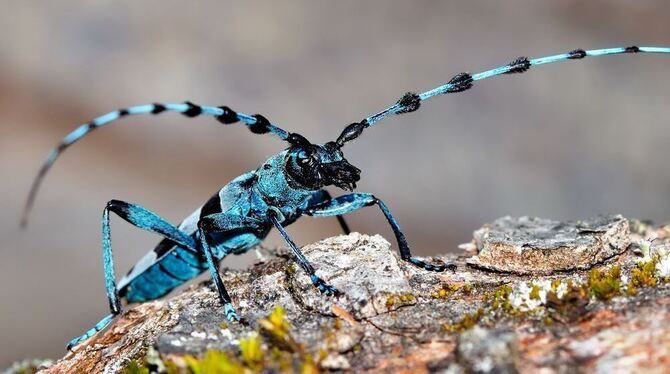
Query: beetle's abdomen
<point>171,271</point>
<point>179,265</point>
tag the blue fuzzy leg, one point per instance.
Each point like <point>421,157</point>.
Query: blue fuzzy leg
<point>302,260</point>
<point>352,202</point>
<point>321,196</point>
<point>98,326</point>
<point>217,223</point>
<point>139,217</point>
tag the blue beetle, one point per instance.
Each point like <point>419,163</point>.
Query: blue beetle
<point>241,214</point>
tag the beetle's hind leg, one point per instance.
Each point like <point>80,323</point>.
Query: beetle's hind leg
<point>352,202</point>
<point>90,332</point>
<point>144,219</point>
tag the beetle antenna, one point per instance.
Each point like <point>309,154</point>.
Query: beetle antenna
<point>411,101</point>
<point>256,123</point>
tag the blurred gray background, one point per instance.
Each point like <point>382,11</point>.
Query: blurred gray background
<point>562,141</point>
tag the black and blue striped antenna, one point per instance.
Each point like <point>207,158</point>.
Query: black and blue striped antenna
<point>411,101</point>
<point>256,123</point>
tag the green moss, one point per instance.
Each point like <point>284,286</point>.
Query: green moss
<point>440,293</point>
<point>214,362</point>
<point>534,292</point>
<point>644,273</point>
<point>399,300</point>
<point>283,360</point>
<point>290,281</point>
<point>500,298</point>
<point>605,285</point>
<point>271,349</point>
<point>252,353</point>
<point>172,368</point>
<point>276,323</point>
<point>407,298</point>
<point>445,291</point>
<point>571,305</point>
<point>26,371</point>
<point>467,288</point>
<point>277,329</point>
<point>309,366</point>
<point>555,284</point>
<point>236,280</point>
<point>135,367</point>
<point>468,322</point>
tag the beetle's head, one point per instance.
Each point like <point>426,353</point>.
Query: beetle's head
<point>314,166</point>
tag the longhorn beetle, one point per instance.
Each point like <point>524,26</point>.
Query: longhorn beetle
<point>240,215</point>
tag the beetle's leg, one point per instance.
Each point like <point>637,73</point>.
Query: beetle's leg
<point>221,222</point>
<point>352,202</point>
<point>301,259</point>
<point>321,196</point>
<point>144,219</point>
<point>90,332</point>
<point>139,217</point>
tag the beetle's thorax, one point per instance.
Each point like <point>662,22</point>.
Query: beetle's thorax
<point>274,185</point>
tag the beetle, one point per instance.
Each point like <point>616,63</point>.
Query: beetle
<point>240,215</point>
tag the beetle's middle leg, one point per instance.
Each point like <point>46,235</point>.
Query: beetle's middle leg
<point>301,259</point>
<point>352,202</point>
<point>223,222</point>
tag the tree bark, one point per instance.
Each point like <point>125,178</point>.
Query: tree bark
<point>392,316</point>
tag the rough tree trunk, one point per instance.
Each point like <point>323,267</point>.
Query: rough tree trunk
<point>525,297</point>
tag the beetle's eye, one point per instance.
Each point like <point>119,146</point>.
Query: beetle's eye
<point>304,158</point>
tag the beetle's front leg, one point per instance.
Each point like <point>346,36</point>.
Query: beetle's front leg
<point>323,195</point>
<point>222,222</point>
<point>352,202</point>
<point>301,259</point>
